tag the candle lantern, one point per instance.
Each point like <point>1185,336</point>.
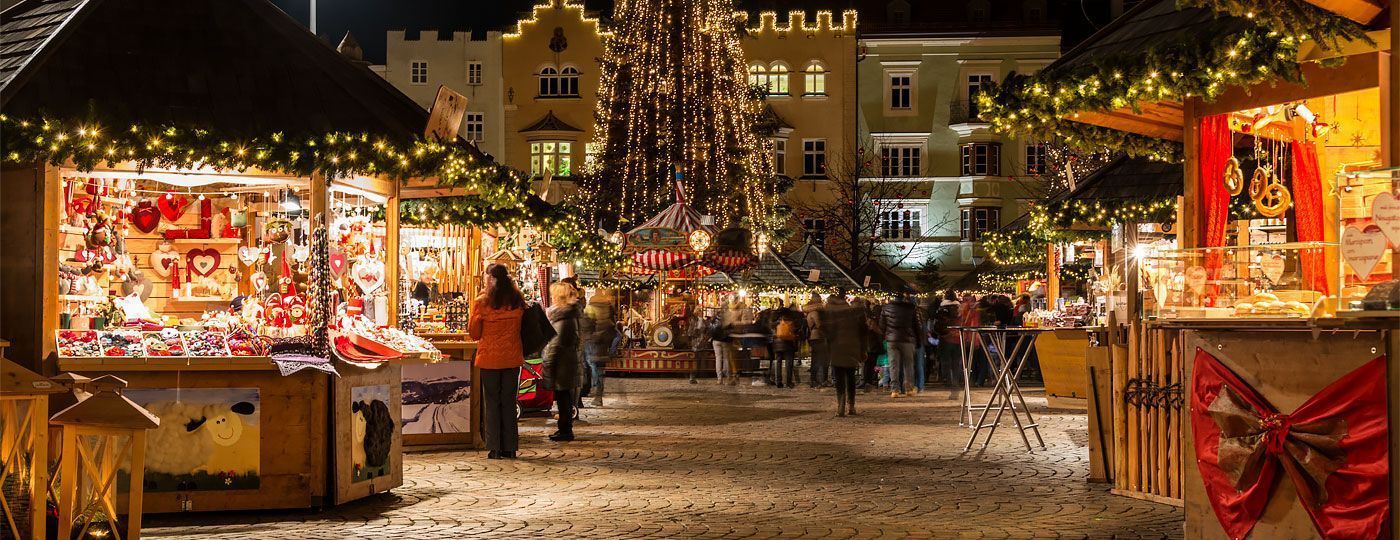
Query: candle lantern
<point>24,471</point>
<point>100,434</point>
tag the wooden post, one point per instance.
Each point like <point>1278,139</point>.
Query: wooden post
<point>136,491</point>
<point>1190,222</point>
<point>1052,274</point>
<point>391,255</point>
<point>1133,429</point>
<point>68,483</point>
<point>39,467</point>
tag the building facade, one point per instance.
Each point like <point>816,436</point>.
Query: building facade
<point>418,63</point>
<point>921,66</point>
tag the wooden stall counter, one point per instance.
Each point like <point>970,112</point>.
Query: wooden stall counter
<point>236,434</point>
<point>1063,366</point>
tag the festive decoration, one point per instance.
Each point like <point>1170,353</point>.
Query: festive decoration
<point>1077,272</point>
<point>561,224</point>
<point>172,206</point>
<point>1293,17</point>
<point>202,261</point>
<point>675,112</point>
<point>1007,281</point>
<point>1014,247</point>
<point>145,216</point>
<point>1333,449</point>
<point>1233,177</point>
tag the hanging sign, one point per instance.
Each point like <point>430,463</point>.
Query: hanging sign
<point>1362,248</point>
<point>445,118</point>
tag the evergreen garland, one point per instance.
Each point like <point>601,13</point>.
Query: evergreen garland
<point>1292,17</point>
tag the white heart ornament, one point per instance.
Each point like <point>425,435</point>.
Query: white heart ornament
<point>1385,210</point>
<point>368,274</point>
<point>249,255</point>
<point>301,253</point>
<point>1362,248</point>
<point>1272,267</point>
<point>163,261</point>
<point>259,281</point>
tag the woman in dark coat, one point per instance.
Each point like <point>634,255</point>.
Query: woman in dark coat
<point>561,362</point>
<point>844,327</point>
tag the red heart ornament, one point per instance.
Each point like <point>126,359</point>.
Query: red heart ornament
<point>172,207</point>
<point>203,261</point>
<point>337,262</point>
<point>145,216</point>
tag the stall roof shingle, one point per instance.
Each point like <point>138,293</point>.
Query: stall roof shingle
<point>233,67</point>
<point>1126,179</point>
<point>1154,24</point>
<point>809,257</point>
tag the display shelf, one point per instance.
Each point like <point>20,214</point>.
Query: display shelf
<point>193,299</point>
<point>82,298</point>
<point>198,241</point>
<point>212,363</point>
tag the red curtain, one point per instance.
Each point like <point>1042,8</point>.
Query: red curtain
<point>1216,147</point>
<point>1334,449</point>
<point>1308,214</point>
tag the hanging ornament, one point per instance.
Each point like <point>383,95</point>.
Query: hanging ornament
<point>145,216</point>
<point>172,206</point>
<point>164,258</point>
<point>1234,177</point>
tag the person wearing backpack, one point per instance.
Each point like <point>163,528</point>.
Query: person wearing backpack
<point>787,332</point>
<point>494,322</point>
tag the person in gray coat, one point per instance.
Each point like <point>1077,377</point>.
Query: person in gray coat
<point>844,329</point>
<point>816,342</point>
<point>561,362</point>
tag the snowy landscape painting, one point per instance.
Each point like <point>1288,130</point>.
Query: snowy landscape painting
<point>437,398</point>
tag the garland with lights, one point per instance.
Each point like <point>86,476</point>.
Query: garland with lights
<point>674,97</point>
<point>1007,280</point>
<point>1042,105</point>
<point>1077,272</point>
<point>1017,246</point>
<point>1295,17</point>
<point>560,224</point>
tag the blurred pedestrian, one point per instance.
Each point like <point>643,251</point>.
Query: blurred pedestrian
<point>561,362</point>
<point>899,326</point>
<point>600,331</point>
<point>844,327</point>
<point>817,374</point>
<point>789,326</point>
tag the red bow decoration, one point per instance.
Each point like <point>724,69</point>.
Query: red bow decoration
<point>1333,447</point>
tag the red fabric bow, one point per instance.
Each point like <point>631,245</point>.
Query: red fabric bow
<point>1333,447</point>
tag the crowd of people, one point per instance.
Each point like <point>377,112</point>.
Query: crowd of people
<point>899,345</point>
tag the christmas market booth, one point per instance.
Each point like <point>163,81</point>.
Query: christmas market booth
<point>1256,331</point>
<point>200,184</point>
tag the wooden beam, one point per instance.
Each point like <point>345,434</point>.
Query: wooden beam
<point>1360,72</point>
<point>1189,221</point>
<point>1131,123</point>
<point>1361,11</point>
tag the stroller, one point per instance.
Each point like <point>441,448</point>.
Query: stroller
<point>531,395</point>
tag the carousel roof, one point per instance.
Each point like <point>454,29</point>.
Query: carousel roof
<point>679,216</point>
<point>810,257</point>
<point>233,67</point>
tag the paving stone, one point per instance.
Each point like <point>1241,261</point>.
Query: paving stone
<point>667,459</point>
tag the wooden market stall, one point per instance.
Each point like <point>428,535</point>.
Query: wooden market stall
<point>196,181</point>
<point>1258,310</point>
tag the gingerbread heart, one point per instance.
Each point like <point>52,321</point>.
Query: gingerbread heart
<point>1362,249</point>
<point>145,216</point>
<point>368,274</point>
<point>337,262</point>
<point>163,261</point>
<point>1385,210</point>
<point>203,261</point>
<point>172,207</point>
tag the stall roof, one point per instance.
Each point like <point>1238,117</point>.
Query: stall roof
<point>882,278</point>
<point>810,257</point>
<point>1152,24</point>
<point>1126,179</point>
<point>233,67</point>
<point>771,271</point>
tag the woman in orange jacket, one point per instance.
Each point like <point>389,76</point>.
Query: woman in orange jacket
<point>494,322</point>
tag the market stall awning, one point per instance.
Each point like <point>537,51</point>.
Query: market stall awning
<point>809,257</point>
<point>882,278</point>
<point>230,67</point>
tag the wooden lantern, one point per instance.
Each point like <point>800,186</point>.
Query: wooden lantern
<point>24,411</point>
<point>99,433</point>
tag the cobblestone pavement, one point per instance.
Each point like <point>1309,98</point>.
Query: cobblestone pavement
<point>668,459</point>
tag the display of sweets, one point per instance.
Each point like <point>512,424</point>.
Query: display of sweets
<point>246,344</point>
<point>204,343</point>
<point>121,343</point>
<point>78,344</point>
<point>166,342</point>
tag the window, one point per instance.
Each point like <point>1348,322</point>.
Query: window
<point>900,224</point>
<point>901,91</point>
<point>814,231</point>
<point>778,80</point>
<point>981,159</point>
<point>814,157</point>
<point>897,161</point>
<point>780,156</point>
<point>1035,159</point>
<point>974,87</point>
<point>474,73</point>
<point>474,126</point>
<point>568,82</point>
<point>814,82</point>
<point>758,76</point>
<point>418,72</point>
<point>976,221</point>
<point>551,155</point>
<point>549,81</point>
<point>978,11</point>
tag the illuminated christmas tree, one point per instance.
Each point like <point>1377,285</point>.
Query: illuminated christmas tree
<point>674,97</point>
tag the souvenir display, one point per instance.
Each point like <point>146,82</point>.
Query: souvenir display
<point>79,344</point>
<point>203,343</point>
<point>166,342</point>
<point>121,343</point>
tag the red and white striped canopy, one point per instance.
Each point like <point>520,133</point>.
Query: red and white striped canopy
<point>662,259</point>
<point>729,261</point>
<point>680,217</point>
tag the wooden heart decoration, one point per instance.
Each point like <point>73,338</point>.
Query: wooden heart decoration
<point>203,261</point>
<point>145,216</point>
<point>172,207</point>
<point>1385,210</point>
<point>249,255</point>
<point>337,262</point>
<point>368,274</point>
<point>1362,248</point>
<point>1272,267</point>
<point>259,281</point>
<point>163,261</point>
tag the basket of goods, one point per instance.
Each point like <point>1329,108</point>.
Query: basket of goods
<point>357,348</point>
<point>166,342</point>
<point>205,344</point>
<point>244,343</point>
<point>121,343</point>
<point>78,344</point>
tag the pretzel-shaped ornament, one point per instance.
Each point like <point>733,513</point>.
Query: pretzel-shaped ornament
<point>1234,177</point>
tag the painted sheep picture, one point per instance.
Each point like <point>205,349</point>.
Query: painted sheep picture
<point>208,439</point>
<point>372,430</point>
